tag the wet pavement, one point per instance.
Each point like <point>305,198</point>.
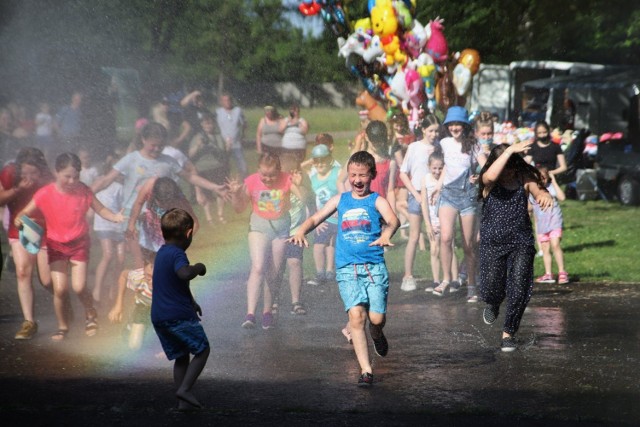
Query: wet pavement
<point>577,363</point>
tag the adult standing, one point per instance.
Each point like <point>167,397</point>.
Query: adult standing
<point>268,134</point>
<point>232,124</point>
<point>294,133</point>
<point>544,153</point>
<point>194,108</point>
<point>69,125</point>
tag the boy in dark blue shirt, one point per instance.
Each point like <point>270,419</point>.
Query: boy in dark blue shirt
<point>366,224</point>
<point>174,312</point>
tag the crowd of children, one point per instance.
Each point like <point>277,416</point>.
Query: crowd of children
<point>452,173</point>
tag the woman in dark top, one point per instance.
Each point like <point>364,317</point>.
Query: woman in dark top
<point>545,153</point>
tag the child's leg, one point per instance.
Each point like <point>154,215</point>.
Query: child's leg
<point>259,251</point>
<point>546,256</point>
<point>377,322</point>
<point>220,208</point>
<point>60,289</point>
<point>330,256</point>
<point>447,216</point>
<point>320,259</point>
<point>185,374</point>
<point>467,223</point>
<point>44,271</point>
<point>107,246</point>
<point>519,286</point>
<point>119,265</point>
<point>295,278</point>
<point>79,284</point>
<point>557,253</point>
<point>357,321</point>
<point>415,221</point>
<point>434,249</point>
<point>136,335</point>
<point>24,263</point>
<point>274,276</point>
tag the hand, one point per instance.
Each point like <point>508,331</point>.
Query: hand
<point>115,315</point>
<point>298,240</point>
<point>436,193</point>
<point>197,308</point>
<point>234,185</point>
<point>382,241</point>
<point>322,227</point>
<point>131,234</point>
<point>473,178</point>
<point>18,222</point>
<point>429,232</point>
<point>24,184</point>
<point>296,177</point>
<point>520,147</point>
<point>544,200</point>
<point>119,217</point>
<point>202,267</point>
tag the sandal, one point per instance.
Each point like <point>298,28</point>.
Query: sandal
<point>60,335</point>
<point>298,309</point>
<point>441,288</point>
<point>91,324</point>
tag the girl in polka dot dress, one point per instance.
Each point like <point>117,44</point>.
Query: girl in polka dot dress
<point>507,246</point>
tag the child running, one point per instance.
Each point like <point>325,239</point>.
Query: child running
<point>506,237</point>
<point>412,173</point>
<point>174,312</point>
<point>268,192</point>
<point>361,272</point>
<point>64,205</point>
<point>549,229</point>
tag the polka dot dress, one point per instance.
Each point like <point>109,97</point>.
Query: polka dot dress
<point>506,253</point>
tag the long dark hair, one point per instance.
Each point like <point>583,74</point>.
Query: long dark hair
<point>33,157</point>
<point>515,163</point>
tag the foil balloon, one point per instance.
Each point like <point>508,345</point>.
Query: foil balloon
<point>461,79</point>
<point>309,8</point>
<point>470,58</point>
<point>437,45</point>
<point>385,25</point>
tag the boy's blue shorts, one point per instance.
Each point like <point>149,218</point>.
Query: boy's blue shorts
<point>364,284</point>
<point>181,337</point>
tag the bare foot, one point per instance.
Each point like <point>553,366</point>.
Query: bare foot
<point>186,406</point>
<point>189,398</point>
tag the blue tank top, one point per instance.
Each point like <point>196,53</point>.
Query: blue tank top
<point>359,224</point>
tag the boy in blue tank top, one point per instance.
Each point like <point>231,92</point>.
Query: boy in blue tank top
<point>366,224</point>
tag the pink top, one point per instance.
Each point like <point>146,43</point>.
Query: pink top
<point>381,182</point>
<point>269,202</point>
<point>64,212</point>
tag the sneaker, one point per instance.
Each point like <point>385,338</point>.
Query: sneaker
<point>380,344</point>
<point>563,278</point>
<point>330,276</point>
<point>489,314</point>
<point>546,278</point>
<point>432,287</point>
<point>508,344</point>
<point>318,280</point>
<point>249,322</point>
<point>540,253</point>
<point>27,331</point>
<point>268,321</point>
<point>454,286</point>
<point>462,278</point>
<point>365,380</point>
<point>408,284</point>
<point>471,294</point>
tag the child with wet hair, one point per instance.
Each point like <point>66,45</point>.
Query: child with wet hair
<point>174,311</point>
<point>507,246</point>
<point>64,205</point>
<point>361,272</point>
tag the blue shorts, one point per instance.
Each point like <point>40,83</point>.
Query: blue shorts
<point>462,200</point>
<point>116,236</point>
<point>325,236</point>
<point>293,251</point>
<point>364,284</point>
<point>413,205</point>
<point>181,337</point>
<point>272,228</point>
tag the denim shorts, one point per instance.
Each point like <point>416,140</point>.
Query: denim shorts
<point>181,337</point>
<point>414,206</point>
<point>324,237</point>
<point>116,236</point>
<point>462,200</point>
<point>293,251</point>
<point>364,284</point>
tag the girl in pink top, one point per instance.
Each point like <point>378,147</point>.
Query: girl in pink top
<point>268,192</point>
<point>19,181</point>
<point>64,205</point>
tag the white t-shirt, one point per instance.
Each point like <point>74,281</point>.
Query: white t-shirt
<point>44,124</point>
<point>110,197</point>
<point>415,162</point>
<point>455,161</point>
<point>177,154</point>
<point>430,185</point>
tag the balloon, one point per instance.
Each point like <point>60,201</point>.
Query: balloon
<point>437,45</point>
<point>385,25</point>
<point>461,79</point>
<point>470,58</point>
<point>376,112</point>
<point>309,8</point>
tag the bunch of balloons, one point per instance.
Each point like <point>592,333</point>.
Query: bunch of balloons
<point>400,62</point>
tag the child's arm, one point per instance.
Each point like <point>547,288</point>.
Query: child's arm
<point>393,223</point>
<point>199,181</point>
<point>314,220</point>
<point>188,272</point>
<point>115,315</point>
<point>105,212</point>
<point>391,187</point>
<point>541,195</point>
<point>28,211</point>
<point>559,193</point>
<point>342,177</point>
<point>491,175</point>
<point>438,188</point>
<point>104,181</point>
<point>239,195</point>
<point>424,204</point>
<point>143,194</point>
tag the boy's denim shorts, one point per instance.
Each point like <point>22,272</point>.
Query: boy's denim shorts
<point>364,284</point>
<point>181,337</point>
<point>324,237</point>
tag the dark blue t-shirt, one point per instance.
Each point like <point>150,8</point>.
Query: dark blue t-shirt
<point>171,297</point>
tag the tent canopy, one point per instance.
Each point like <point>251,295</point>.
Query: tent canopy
<point>626,80</point>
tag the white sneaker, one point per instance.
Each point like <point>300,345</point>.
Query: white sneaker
<point>408,284</point>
